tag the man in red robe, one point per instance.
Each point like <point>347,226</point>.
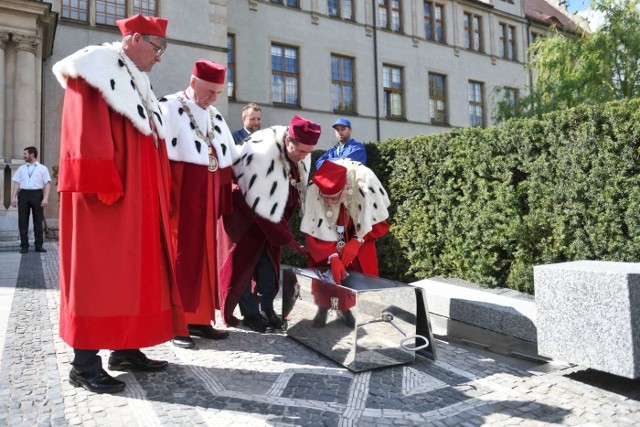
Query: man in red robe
<point>345,212</point>
<point>200,148</point>
<point>270,176</point>
<point>117,285</point>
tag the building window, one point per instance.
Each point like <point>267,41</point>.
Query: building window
<point>108,11</point>
<point>437,98</point>
<point>77,10</point>
<point>342,85</point>
<point>475,104</point>
<point>145,7</point>
<point>434,21</point>
<point>392,83</point>
<point>284,74</point>
<point>472,32</point>
<point>231,66</point>
<point>511,96</point>
<point>341,9</point>
<point>389,12</point>
<point>506,46</point>
<point>290,3</point>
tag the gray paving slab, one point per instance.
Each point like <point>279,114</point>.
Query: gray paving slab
<point>255,379</point>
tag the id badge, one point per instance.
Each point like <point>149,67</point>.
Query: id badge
<point>29,184</point>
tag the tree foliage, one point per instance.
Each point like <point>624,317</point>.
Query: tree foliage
<point>590,68</point>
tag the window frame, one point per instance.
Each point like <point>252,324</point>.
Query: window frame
<point>433,21</point>
<point>285,75</point>
<point>389,11</point>
<point>343,83</point>
<point>389,91</point>
<point>285,3</point>
<point>471,30</point>
<point>473,103</point>
<point>340,10</point>
<point>93,16</point>
<point>232,75</point>
<point>506,41</point>
<point>434,97</point>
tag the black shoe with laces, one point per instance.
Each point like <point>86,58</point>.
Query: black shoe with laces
<point>96,381</point>
<point>273,319</point>
<point>256,323</point>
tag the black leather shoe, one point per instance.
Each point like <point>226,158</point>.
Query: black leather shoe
<point>320,320</point>
<point>96,381</point>
<point>139,362</point>
<point>256,323</point>
<point>41,250</point>
<point>24,250</point>
<point>183,342</point>
<point>208,332</point>
<point>273,319</point>
<point>347,318</point>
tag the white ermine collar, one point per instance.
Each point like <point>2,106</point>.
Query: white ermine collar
<point>123,86</point>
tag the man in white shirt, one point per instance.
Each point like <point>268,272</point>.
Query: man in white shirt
<point>30,192</point>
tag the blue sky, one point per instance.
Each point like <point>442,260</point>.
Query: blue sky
<point>578,5</point>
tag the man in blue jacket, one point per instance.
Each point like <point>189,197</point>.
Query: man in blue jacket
<point>346,148</point>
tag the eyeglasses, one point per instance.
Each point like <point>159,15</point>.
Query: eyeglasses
<point>159,51</point>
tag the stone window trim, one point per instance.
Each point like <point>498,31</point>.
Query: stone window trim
<point>96,12</point>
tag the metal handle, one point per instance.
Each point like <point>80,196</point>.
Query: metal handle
<point>404,341</point>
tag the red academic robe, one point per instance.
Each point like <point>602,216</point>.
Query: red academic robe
<point>198,202</point>
<point>365,262</point>
<point>242,236</point>
<point>117,284</point>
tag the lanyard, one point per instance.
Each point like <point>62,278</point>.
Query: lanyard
<point>32,170</point>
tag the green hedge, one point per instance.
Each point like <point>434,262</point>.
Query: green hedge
<point>486,205</point>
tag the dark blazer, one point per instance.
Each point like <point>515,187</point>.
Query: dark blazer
<point>240,135</point>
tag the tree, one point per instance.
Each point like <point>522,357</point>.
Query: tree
<point>588,68</point>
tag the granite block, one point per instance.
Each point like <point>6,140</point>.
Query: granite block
<point>589,314</point>
<point>484,308</point>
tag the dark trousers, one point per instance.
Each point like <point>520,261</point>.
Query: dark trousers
<point>266,283</point>
<point>30,200</point>
<point>89,361</point>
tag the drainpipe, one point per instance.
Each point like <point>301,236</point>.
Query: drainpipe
<point>375,68</point>
<point>529,55</point>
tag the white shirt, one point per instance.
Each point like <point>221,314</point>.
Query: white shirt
<point>32,176</point>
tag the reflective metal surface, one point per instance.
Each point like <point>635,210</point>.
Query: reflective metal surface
<point>365,323</point>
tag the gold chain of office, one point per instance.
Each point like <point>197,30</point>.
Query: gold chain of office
<point>208,138</point>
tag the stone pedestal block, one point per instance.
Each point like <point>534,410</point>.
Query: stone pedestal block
<point>589,314</point>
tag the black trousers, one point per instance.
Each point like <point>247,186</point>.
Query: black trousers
<point>89,361</point>
<point>266,283</point>
<point>30,200</point>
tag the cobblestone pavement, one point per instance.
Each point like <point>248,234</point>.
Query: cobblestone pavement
<point>254,380</point>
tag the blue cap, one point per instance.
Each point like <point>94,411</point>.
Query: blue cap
<point>342,122</point>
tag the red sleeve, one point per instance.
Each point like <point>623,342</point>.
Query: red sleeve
<point>378,230</point>
<point>278,234</point>
<point>86,145</point>
<point>319,249</point>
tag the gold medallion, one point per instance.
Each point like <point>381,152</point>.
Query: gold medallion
<point>213,162</point>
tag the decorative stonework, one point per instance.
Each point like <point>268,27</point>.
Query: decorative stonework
<point>315,18</point>
<point>4,38</point>
<point>26,43</point>
<point>253,5</point>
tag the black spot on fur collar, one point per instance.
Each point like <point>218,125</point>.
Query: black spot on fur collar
<point>141,111</point>
<point>174,141</point>
<point>113,84</point>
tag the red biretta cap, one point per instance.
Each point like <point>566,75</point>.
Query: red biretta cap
<point>304,131</point>
<point>209,71</point>
<point>330,178</point>
<point>148,25</point>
